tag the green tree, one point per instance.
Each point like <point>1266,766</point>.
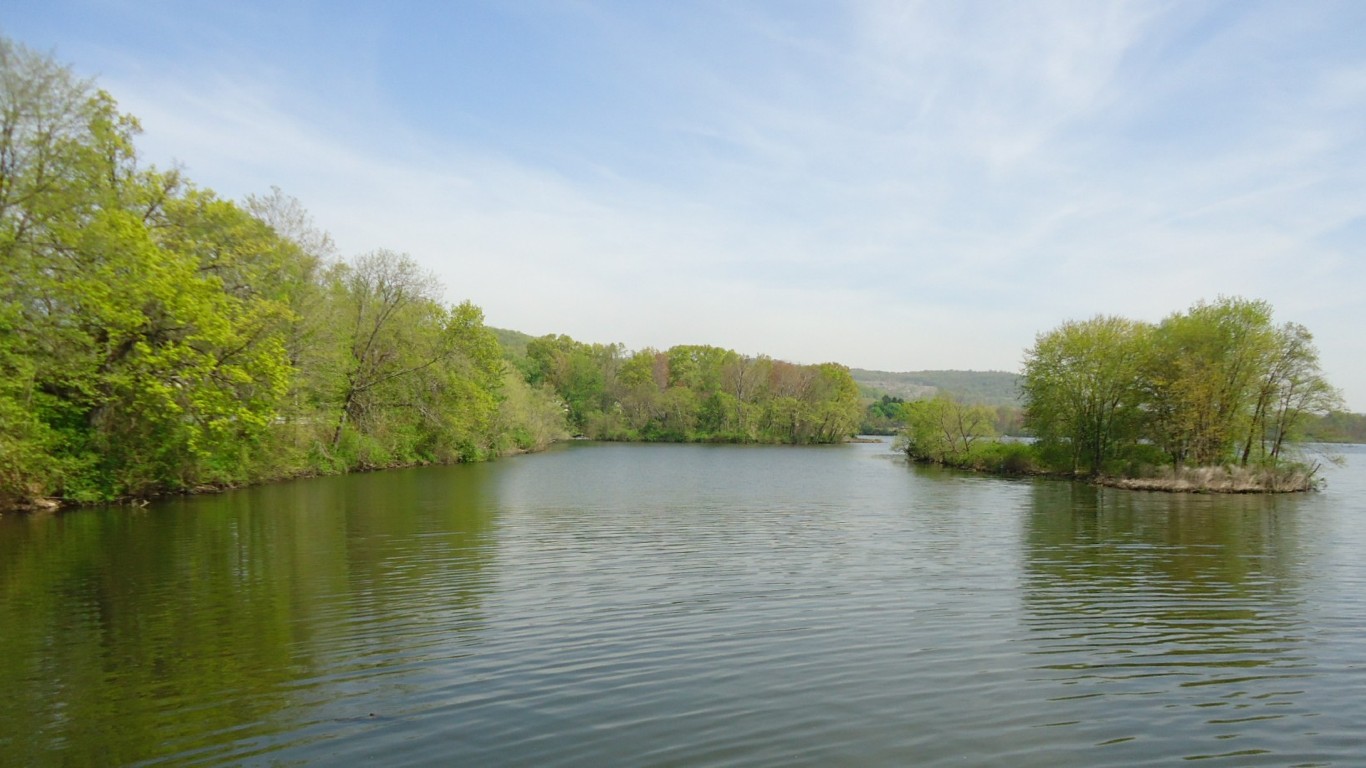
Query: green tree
<point>833,402</point>
<point>693,392</point>
<point>698,367</point>
<point>1201,378</point>
<point>390,302</point>
<point>420,382</point>
<point>155,337</point>
<point>146,367</point>
<point>529,418</point>
<point>1082,389</point>
<point>1292,388</point>
<point>638,388</point>
<point>578,373</point>
<point>943,430</point>
<point>58,147</point>
<point>27,468</point>
<point>314,340</point>
<point>1219,383</point>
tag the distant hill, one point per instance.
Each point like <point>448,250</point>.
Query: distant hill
<point>984,387</point>
<point>514,342</point>
<point>1336,427</point>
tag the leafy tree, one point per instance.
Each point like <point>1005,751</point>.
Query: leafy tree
<point>698,367</point>
<point>578,373</point>
<point>638,389</point>
<point>146,367</point>
<point>833,401</point>
<point>943,430</point>
<point>420,381</point>
<point>1292,388</point>
<point>389,301</point>
<point>529,418</point>
<point>1219,383</point>
<point>1201,377</point>
<point>27,467</point>
<point>693,392</point>
<point>1081,388</point>
<point>1335,427</point>
<point>883,417</point>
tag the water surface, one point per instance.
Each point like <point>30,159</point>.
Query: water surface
<point>689,605</point>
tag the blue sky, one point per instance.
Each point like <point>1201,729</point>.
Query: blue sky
<point>889,185</point>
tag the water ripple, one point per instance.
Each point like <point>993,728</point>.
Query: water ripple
<point>699,605</point>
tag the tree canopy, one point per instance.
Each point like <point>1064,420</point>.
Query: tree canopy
<point>155,337</point>
<point>694,393</point>
<point>1219,383</point>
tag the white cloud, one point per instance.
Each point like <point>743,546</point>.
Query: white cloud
<point>921,185</point>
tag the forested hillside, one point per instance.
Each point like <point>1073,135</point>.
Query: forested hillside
<point>693,393</point>
<point>1336,427</point>
<point>155,337</point>
<point>977,387</point>
<point>514,343</point>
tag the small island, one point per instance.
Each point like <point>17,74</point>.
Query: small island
<point>1207,400</point>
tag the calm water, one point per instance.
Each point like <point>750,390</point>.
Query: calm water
<point>689,605</point>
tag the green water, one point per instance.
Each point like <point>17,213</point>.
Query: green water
<point>689,605</point>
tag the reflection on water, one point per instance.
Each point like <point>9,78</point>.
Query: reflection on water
<point>689,605</point>
<point>1186,606</point>
<point>201,626</point>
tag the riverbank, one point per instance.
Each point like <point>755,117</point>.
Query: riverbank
<point>1016,461</point>
<point>49,504</point>
<point>1294,478</point>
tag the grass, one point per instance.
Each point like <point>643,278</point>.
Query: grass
<point>1289,478</point>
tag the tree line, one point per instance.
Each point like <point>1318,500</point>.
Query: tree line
<point>887,415</point>
<point>693,393</point>
<point>1216,385</point>
<point>1219,383</point>
<point>1337,427</point>
<point>155,337</point>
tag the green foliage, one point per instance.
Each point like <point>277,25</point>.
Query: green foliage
<point>1082,388</point>
<point>993,388</point>
<point>156,338</point>
<point>693,393</point>
<point>419,381</point>
<point>27,466</point>
<point>148,363</point>
<point>1336,427</point>
<point>944,431</point>
<point>1002,458</point>
<point>1217,384</point>
<point>1199,377</point>
<point>882,416</point>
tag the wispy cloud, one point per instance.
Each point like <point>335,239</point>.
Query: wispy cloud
<point>894,185</point>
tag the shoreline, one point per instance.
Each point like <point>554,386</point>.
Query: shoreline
<point>50,505</point>
<point>1193,480</point>
<point>46,505</point>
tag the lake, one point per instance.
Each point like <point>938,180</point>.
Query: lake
<point>684,605</point>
